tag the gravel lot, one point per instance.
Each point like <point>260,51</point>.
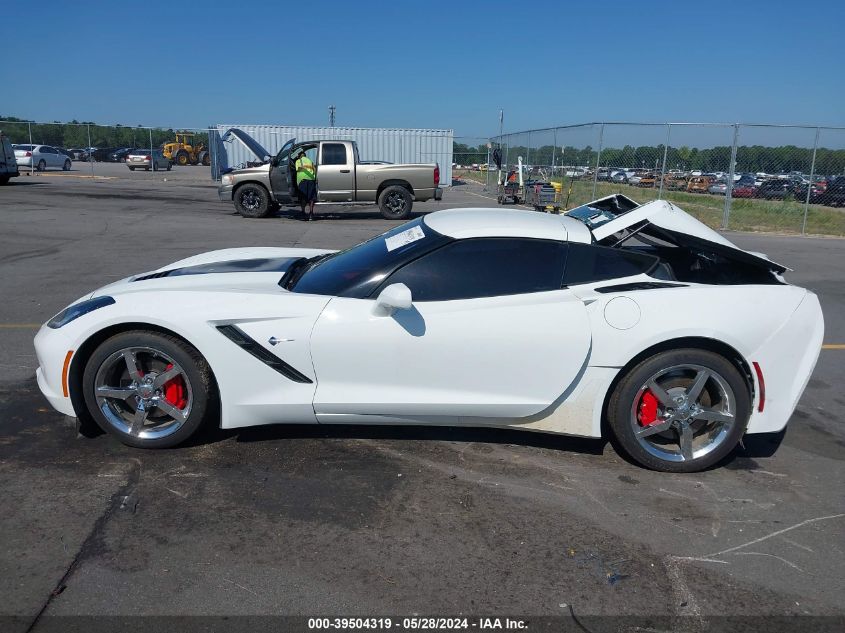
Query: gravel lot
<point>328,521</point>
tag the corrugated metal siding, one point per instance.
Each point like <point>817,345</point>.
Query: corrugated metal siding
<point>394,145</point>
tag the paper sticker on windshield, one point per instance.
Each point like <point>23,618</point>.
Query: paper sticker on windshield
<point>405,237</point>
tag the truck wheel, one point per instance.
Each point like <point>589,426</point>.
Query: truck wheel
<point>395,203</point>
<point>205,159</point>
<point>252,201</point>
<point>182,158</point>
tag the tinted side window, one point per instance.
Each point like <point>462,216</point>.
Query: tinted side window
<point>484,267</point>
<point>334,154</point>
<point>588,263</point>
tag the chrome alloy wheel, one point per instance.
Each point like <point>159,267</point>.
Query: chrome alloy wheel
<point>250,200</point>
<point>683,412</point>
<point>143,392</point>
<point>395,202</point>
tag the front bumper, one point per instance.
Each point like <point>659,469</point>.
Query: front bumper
<point>224,192</point>
<point>51,348</point>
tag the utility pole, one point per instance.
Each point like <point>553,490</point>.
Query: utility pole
<point>331,115</point>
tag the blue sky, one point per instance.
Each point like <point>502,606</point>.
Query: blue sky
<point>426,64</point>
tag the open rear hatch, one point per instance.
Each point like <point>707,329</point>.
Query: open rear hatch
<point>615,218</point>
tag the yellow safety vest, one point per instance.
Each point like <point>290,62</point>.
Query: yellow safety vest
<point>305,169</point>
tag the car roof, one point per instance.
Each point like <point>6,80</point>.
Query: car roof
<point>492,222</point>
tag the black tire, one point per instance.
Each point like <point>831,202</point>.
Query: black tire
<point>169,166</point>
<point>66,166</point>
<point>131,169</point>
<point>622,405</point>
<point>182,158</point>
<point>196,373</point>
<point>41,165</point>
<point>395,203</point>
<point>205,159</point>
<point>4,180</point>
<point>252,201</point>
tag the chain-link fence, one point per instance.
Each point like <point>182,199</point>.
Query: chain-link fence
<point>732,176</point>
<point>110,151</point>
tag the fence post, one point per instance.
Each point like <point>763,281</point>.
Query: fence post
<point>152,156</point>
<point>554,151</point>
<point>90,153</point>
<point>31,166</point>
<point>810,184</point>
<point>730,183</point>
<point>528,149</point>
<point>598,160</point>
<point>665,154</point>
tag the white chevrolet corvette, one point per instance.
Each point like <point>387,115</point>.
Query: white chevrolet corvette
<point>633,322</point>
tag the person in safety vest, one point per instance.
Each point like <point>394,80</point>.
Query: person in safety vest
<point>306,182</point>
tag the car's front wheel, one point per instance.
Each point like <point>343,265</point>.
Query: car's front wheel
<point>66,166</point>
<point>252,201</point>
<point>149,390</point>
<point>681,410</point>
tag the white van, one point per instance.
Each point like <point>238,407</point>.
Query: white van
<point>8,164</point>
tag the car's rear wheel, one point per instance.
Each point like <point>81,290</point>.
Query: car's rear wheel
<point>66,166</point>
<point>252,201</point>
<point>149,390</point>
<point>41,165</point>
<point>395,202</point>
<point>680,411</point>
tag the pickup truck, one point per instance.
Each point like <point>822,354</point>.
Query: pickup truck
<point>342,178</point>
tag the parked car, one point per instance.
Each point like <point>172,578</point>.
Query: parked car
<point>620,177</point>
<point>744,189</point>
<point>675,182</point>
<point>76,153</point>
<point>8,163</point>
<point>119,155</point>
<point>647,180</point>
<point>718,188</point>
<point>101,154</point>
<point>699,184</point>
<point>670,357</point>
<point>140,159</point>
<point>833,195</point>
<point>41,157</point>
<point>775,189</point>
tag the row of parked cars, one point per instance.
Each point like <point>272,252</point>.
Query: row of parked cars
<point>43,157</point>
<point>826,190</point>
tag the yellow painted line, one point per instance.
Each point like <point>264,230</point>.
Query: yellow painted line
<point>833,346</point>
<point>19,326</point>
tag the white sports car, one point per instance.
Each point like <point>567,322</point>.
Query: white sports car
<point>633,322</point>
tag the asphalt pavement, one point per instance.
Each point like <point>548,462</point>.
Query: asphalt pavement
<point>302,520</point>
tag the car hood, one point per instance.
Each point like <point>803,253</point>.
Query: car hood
<point>253,146</point>
<point>251,269</point>
<point>660,219</point>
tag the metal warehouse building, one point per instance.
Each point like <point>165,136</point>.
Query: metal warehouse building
<point>394,145</point>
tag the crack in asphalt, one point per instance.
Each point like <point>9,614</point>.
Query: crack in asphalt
<point>116,502</point>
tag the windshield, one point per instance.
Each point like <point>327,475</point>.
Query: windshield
<point>356,272</point>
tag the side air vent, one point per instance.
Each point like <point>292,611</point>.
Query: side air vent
<point>159,275</point>
<point>242,340</point>
<point>642,285</point>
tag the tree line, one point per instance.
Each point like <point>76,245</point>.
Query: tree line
<point>75,134</point>
<point>749,158</point>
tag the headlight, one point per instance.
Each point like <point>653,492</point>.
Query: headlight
<point>77,310</point>
<point>227,179</point>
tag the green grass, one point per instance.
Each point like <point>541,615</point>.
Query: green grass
<point>781,216</point>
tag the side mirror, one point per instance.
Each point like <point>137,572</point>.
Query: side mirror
<point>394,297</point>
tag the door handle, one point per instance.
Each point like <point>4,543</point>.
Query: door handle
<point>344,171</point>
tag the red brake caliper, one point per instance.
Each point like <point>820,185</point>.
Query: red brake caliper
<point>174,391</point>
<point>647,414</point>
